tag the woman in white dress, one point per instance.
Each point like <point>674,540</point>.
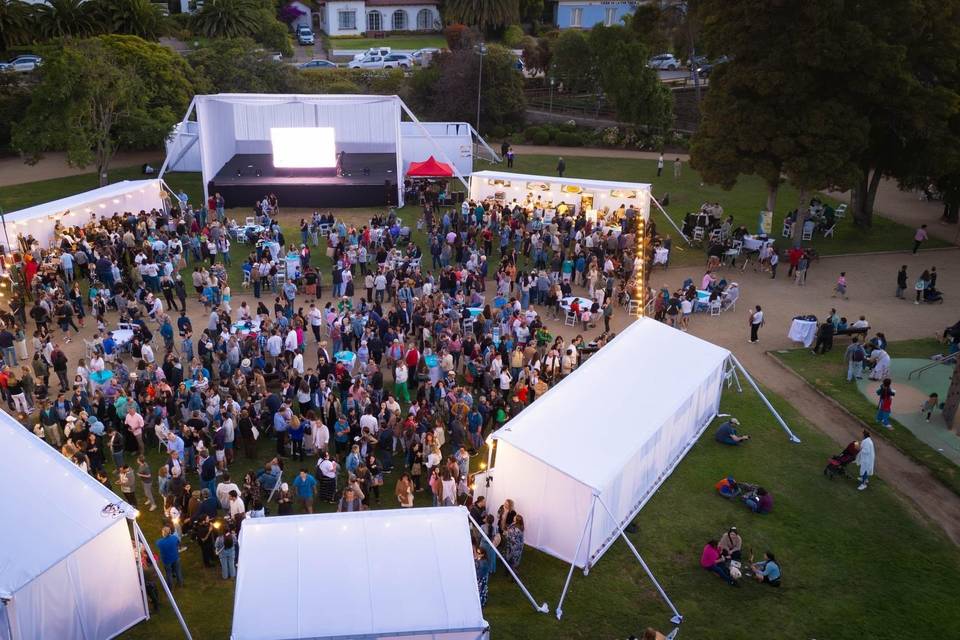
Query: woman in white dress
<point>881,364</point>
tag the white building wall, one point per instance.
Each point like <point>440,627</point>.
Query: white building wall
<point>332,19</point>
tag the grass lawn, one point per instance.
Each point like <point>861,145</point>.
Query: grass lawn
<point>744,202</point>
<point>405,43</point>
<point>846,557</point>
<point>828,373</point>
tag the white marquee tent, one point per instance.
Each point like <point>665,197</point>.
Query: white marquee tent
<point>644,399</point>
<point>286,590</point>
<point>67,563</point>
<point>239,123</point>
<point>39,220</point>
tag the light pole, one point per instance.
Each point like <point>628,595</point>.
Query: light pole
<point>683,9</point>
<point>551,94</point>
<point>481,49</point>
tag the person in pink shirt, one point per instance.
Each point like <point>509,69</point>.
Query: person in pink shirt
<point>712,560</point>
<point>134,422</point>
<point>919,237</point>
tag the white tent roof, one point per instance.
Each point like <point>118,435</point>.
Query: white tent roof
<point>67,516</point>
<point>583,182</point>
<point>88,202</point>
<point>396,572</point>
<point>623,395</point>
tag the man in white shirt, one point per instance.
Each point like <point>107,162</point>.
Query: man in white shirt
<point>224,489</point>
<point>146,352</point>
<point>274,347</point>
<point>370,421</point>
<point>756,321</point>
<point>236,505</point>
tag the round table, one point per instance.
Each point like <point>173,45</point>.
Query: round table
<point>804,331</point>
<point>585,303</point>
<point>346,357</point>
<point>753,243</point>
<point>245,327</point>
<point>101,377</point>
<point>474,311</point>
<point>661,255</point>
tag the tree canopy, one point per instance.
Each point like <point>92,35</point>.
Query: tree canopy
<point>98,95</point>
<point>484,14</point>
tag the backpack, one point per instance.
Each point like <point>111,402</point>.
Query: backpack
<point>858,355</point>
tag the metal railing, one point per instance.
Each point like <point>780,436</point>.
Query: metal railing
<point>945,360</point>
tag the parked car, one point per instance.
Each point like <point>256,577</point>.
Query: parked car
<point>423,57</point>
<point>664,62</point>
<point>367,62</point>
<point>305,35</point>
<point>318,64</point>
<point>705,69</point>
<point>398,61</point>
<point>22,64</point>
<point>374,51</point>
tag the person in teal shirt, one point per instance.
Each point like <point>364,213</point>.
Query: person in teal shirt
<point>768,571</point>
<point>303,486</point>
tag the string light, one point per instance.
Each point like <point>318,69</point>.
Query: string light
<point>640,290</point>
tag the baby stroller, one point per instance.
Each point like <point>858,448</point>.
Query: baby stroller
<point>837,465</point>
<point>932,296</point>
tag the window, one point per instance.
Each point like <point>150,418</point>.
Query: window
<point>425,20</point>
<point>374,21</point>
<point>347,20</point>
<point>399,20</point>
<point>576,17</point>
<point>609,16</point>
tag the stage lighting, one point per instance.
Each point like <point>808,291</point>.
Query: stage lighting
<point>259,172</point>
<point>303,147</point>
<point>239,173</point>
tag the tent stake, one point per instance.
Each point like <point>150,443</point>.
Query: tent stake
<point>542,608</point>
<point>750,380</point>
<point>566,585</point>
<point>677,618</point>
<point>163,581</point>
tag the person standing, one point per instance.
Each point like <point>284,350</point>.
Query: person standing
<point>901,281</point>
<point>169,547</point>
<point>756,321</point>
<point>146,481</point>
<point>304,485</point>
<point>854,357</point>
<point>921,285</point>
<point>919,237</point>
<point>510,158</point>
<point>561,166</point>
<point>676,168</point>
<point>866,459</point>
<point>885,403</point>
<point>660,165</point>
<point>774,261</point>
<point>125,475</point>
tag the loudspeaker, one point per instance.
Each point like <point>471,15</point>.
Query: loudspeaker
<point>458,197</point>
<point>391,190</point>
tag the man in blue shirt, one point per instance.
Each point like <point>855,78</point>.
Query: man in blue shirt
<point>727,433</point>
<point>280,428</point>
<point>169,547</point>
<point>304,485</point>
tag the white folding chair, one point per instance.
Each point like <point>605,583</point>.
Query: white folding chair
<point>633,307</point>
<point>807,234</point>
<point>325,229</point>
<point>467,325</point>
<point>570,319</point>
<point>698,234</point>
<point>716,236</point>
<point>716,307</point>
<point>840,211</point>
<point>246,279</point>
<point>829,232</point>
<point>787,230</point>
<point>250,221</point>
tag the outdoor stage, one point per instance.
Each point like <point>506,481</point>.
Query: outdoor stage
<point>367,180</point>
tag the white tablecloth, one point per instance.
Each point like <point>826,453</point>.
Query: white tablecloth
<point>122,336</point>
<point>753,243</point>
<point>241,326</point>
<point>804,331</point>
<point>585,303</point>
<point>660,255</point>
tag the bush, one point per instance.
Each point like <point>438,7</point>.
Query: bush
<point>498,131</point>
<point>541,137</point>
<point>569,139</point>
<point>530,132</point>
<point>513,36</point>
<point>569,126</point>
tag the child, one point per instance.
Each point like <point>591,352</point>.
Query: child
<point>841,288</point>
<point>930,405</point>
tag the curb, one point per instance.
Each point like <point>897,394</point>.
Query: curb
<point>858,419</point>
<point>887,253</point>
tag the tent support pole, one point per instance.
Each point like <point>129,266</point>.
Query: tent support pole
<point>542,608</point>
<point>166,161</point>
<point>436,146</point>
<point>752,383</point>
<point>483,143</point>
<point>163,581</point>
<point>566,585</point>
<point>275,485</point>
<point>731,374</point>
<point>677,618</point>
<point>143,582</point>
<point>669,219</point>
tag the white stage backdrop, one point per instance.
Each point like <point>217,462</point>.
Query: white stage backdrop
<point>241,123</point>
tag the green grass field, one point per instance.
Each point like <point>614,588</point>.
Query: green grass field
<point>404,43</point>
<point>828,373</point>
<point>847,557</point>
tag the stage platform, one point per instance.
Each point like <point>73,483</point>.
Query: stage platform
<point>367,180</point>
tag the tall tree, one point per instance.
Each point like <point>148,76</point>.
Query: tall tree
<point>233,65</point>
<point>16,23</point>
<point>60,18</point>
<point>633,89</point>
<point>131,17</point>
<point>228,18</point>
<point>573,63</point>
<point>484,14</point>
<point>98,95</point>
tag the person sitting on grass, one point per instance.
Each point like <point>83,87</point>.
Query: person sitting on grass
<point>767,571</point>
<point>727,433</point>
<point>731,544</point>
<point>727,487</point>
<point>759,501</point>
<point>713,561</point>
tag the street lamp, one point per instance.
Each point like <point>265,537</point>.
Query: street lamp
<point>551,94</point>
<point>683,9</point>
<point>482,50</point>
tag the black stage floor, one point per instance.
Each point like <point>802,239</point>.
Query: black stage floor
<point>368,180</point>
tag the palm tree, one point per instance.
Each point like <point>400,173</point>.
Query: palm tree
<point>130,17</point>
<point>59,18</point>
<point>484,14</point>
<point>15,23</point>
<point>228,18</point>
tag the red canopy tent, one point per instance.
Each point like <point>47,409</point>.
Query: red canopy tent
<point>429,168</point>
